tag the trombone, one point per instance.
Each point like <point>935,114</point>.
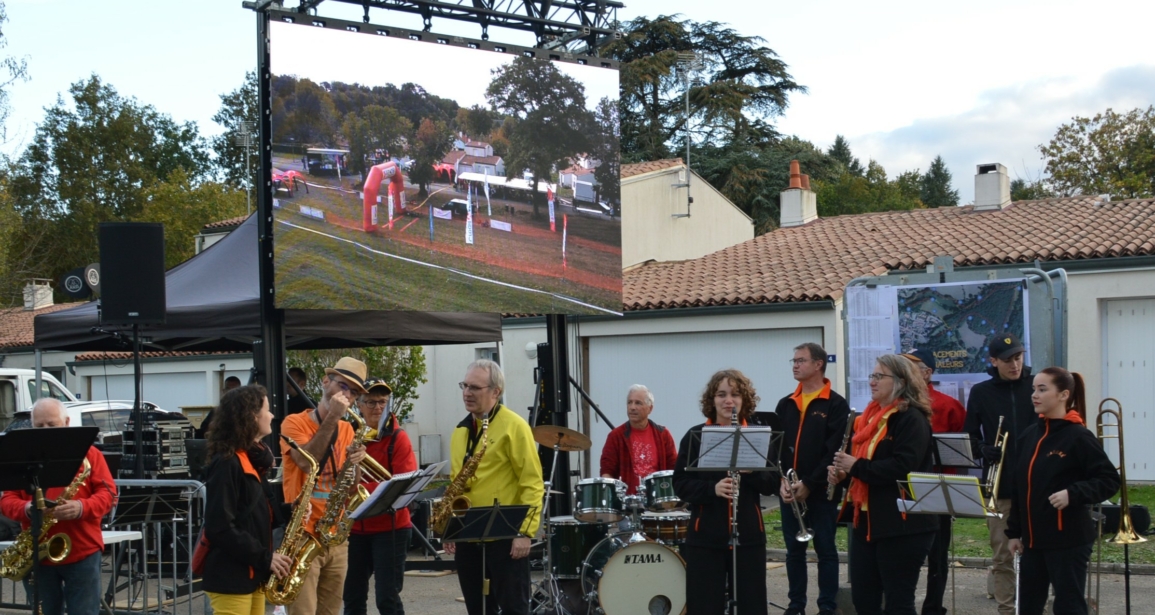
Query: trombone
<point>995,471</point>
<point>1126,534</point>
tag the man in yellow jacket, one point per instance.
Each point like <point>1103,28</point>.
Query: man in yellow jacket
<point>510,474</point>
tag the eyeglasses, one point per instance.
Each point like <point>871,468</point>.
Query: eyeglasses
<point>472,388</point>
<point>875,377</point>
<point>344,387</point>
<point>800,361</point>
<point>375,404</point>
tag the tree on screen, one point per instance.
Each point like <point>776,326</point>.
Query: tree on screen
<point>431,142</point>
<point>606,145</point>
<point>374,127</point>
<point>553,123</point>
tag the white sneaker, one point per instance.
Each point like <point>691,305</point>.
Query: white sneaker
<point>279,610</point>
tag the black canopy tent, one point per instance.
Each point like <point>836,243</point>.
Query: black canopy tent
<point>213,305</point>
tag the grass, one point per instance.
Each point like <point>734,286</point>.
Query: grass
<point>971,538</point>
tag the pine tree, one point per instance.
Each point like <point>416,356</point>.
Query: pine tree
<point>936,190</point>
<point>840,151</point>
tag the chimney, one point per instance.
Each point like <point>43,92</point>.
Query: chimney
<point>798,203</point>
<point>37,294</point>
<point>992,187</point>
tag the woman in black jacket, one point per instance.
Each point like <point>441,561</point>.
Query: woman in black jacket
<point>729,398</point>
<point>891,440</point>
<point>1061,472</point>
<point>238,523</point>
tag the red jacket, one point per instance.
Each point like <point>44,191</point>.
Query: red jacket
<point>402,460</point>
<point>618,460</point>
<point>97,495</point>
<point>947,414</point>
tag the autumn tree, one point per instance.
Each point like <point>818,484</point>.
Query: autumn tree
<point>475,121</point>
<point>236,165</point>
<point>430,144</point>
<point>1111,153</point>
<point>375,127</point>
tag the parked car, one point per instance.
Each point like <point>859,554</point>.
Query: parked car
<point>18,388</point>
<point>110,416</point>
<point>459,207</point>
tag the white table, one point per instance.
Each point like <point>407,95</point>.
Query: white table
<point>109,538</point>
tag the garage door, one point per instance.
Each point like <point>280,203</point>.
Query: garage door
<point>676,367</point>
<point>169,391</point>
<point>1130,378</point>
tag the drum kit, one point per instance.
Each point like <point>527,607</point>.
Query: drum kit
<point>617,554</point>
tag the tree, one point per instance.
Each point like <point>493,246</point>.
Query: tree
<point>13,70</point>
<point>840,151</point>
<point>184,208</point>
<point>403,367</point>
<point>1111,153</point>
<point>935,186</point>
<point>552,119</point>
<point>232,164</point>
<point>606,149</point>
<point>869,192</point>
<point>1029,190</point>
<point>476,121</point>
<point>430,144</point>
<point>95,161</point>
<point>375,127</point>
<point>309,115</point>
<point>742,84</point>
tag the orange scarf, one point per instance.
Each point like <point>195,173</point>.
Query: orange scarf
<point>869,430</point>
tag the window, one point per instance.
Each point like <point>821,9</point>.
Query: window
<point>107,420</point>
<point>47,389</point>
<point>7,399</point>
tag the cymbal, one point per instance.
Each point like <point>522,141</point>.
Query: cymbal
<point>564,438</point>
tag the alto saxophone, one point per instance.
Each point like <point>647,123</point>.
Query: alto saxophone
<point>453,502</point>
<point>16,560</point>
<point>298,544</point>
<point>346,495</point>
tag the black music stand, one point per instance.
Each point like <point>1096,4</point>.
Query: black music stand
<point>486,524</point>
<point>734,449</point>
<point>396,493</point>
<point>33,460</point>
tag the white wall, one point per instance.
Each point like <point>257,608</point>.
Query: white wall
<point>192,381</point>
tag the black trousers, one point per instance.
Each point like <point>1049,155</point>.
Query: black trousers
<point>508,578</point>
<point>381,556</point>
<point>1063,569</point>
<point>886,568</point>
<point>706,572</point>
<point>937,570</point>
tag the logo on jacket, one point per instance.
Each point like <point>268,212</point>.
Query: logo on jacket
<point>819,414</point>
<point>1057,453</point>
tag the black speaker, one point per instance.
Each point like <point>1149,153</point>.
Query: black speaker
<point>132,273</point>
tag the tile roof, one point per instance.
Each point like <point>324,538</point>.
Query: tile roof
<point>16,324</point>
<point>815,262</point>
<point>638,168</point>
<point>229,224</point>
<point>127,356</point>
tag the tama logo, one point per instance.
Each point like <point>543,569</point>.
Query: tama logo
<point>645,558</point>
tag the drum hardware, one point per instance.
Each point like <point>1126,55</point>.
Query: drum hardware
<point>547,595</point>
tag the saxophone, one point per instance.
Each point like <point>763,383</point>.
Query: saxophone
<point>453,503</point>
<point>348,493</point>
<point>16,560</point>
<point>298,543</point>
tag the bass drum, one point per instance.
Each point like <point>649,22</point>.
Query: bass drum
<point>630,574</point>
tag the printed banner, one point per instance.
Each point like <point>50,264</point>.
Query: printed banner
<point>444,214</point>
<point>501,226</point>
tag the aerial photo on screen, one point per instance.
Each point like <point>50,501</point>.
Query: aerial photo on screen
<point>957,321</point>
<point>411,175</point>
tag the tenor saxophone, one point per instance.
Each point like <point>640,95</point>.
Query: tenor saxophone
<point>16,560</point>
<point>347,494</point>
<point>454,502</point>
<point>298,544</point>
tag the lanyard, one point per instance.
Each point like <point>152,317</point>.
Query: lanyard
<point>475,434</point>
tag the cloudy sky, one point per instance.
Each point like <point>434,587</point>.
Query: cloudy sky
<point>902,80</point>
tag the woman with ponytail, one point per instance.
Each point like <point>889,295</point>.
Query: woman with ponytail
<point>891,440</point>
<point>1061,472</point>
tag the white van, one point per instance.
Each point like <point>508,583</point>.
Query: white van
<point>16,392</point>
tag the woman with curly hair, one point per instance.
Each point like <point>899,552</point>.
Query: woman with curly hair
<point>891,440</point>
<point>729,399</point>
<point>238,518</point>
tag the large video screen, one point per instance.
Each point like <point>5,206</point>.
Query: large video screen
<point>441,174</point>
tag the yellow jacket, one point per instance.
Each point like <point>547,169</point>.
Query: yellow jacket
<point>510,470</point>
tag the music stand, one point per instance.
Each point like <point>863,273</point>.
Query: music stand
<point>486,524</point>
<point>33,460</point>
<point>946,494</point>
<point>396,493</point>
<point>734,449</point>
<point>953,450</point>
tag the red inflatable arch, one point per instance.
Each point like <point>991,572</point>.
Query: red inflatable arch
<point>385,171</point>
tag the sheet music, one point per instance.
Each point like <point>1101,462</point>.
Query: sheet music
<point>389,487</point>
<point>718,447</point>
<point>965,499</point>
<point>954,450</point>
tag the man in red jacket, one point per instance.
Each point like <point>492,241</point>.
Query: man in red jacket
<point>640,447</point>
<point>75,582</point>
<point>377,545</point>
<point>947,416</point>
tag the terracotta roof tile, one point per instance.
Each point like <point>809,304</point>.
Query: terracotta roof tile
<point>16,324</point>
<point>815,262</point>
<point>630,170</point>
<point>229,224</point>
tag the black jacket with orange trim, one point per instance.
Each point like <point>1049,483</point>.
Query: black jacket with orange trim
<point>905,448</point>
<point>709,513</point>
<point>812,438</point>
<point>1057,454</point>
<point>240,542</point>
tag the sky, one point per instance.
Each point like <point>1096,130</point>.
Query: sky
<point>903,81</point>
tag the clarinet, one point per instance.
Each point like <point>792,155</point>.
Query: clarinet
<point>845,442</point>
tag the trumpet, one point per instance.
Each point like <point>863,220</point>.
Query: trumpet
<point>804,533</point>
<point>995,472</point>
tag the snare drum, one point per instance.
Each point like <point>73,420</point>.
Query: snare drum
<point>627,576</point>
<point>659,491</point>
<point>600,500</point>
<point>667,527</point>
<point>570,542</point>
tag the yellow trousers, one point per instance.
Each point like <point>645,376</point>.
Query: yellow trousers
<point>238,604</point>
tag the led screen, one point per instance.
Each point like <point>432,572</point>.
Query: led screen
<point>417,175</point>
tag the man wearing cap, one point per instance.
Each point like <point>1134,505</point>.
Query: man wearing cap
<point>947,416</point>
<point>1008,395</point>
<point>323,434</point>
<point>377,545</point>
<point>640,447</point>
<point>509,473</point>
